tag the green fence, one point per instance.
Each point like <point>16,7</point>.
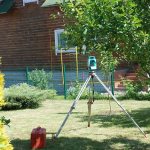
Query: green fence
<point>62,76</point>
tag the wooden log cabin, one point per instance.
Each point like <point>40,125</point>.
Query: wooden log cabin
<point>30,38</point>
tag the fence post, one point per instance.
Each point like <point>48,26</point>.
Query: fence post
<point>27,78</point>
<point>64,75</point>
<point>112,80</point>
<point>77,66</point>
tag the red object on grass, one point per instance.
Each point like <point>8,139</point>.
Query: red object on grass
<point>38,137</point>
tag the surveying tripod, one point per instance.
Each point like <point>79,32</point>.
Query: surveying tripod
<point>92,74</point>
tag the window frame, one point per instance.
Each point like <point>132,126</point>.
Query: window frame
<point>57,49</point>
<point>29,1</point>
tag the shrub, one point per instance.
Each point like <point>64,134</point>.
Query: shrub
<point>133,91</point>
<point>138,96</point>
<point>74,89</point>
<point>4,141</point>
<point>40,78</point>
<point>25,96</point>
<point>12,106</point>
<point>1,90</point>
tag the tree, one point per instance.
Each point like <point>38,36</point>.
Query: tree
<point>115,28</point>
<point>143,55</point>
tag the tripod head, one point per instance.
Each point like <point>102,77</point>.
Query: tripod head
<point>92,65</point>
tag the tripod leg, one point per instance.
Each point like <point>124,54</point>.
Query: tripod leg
<point>73,105</point>
<point>90,102</point>
<point>89,111</point>
<point>119,104</point>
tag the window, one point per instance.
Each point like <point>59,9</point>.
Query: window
<point>29,1</point>
<point>60,42</point>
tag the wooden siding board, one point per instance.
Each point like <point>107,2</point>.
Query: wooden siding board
<point>25,38</point>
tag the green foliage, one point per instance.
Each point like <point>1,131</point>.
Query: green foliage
<point>107,62</point>
<point>101,24</point>
<point>141,96</point>
<point>25,96</point>
<point>134,91</point>
<point>12,106</point>
<point>144,13</point>
<point>130,88</point>
<point>74,89</point>
<point>135,96</point>
<point>109,27</point>
<point>4,121</point>
<point>40,78</point>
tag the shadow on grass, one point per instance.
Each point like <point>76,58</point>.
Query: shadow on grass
<point>77,143</point>
<point>141,116</point>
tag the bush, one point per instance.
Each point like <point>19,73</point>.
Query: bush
<point>137,96</point>
<point>133,91</point>
<point>40,78</point>
<point>12,106</point>
<point>4,141</point>
<point>2,90</point>
<point>141,96</point>
<point>25,96</point>
<point>74,89</point>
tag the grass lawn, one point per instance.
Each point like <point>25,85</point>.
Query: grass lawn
<point>114,131</point>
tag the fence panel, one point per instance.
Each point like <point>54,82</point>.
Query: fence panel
<point>15,76</point>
